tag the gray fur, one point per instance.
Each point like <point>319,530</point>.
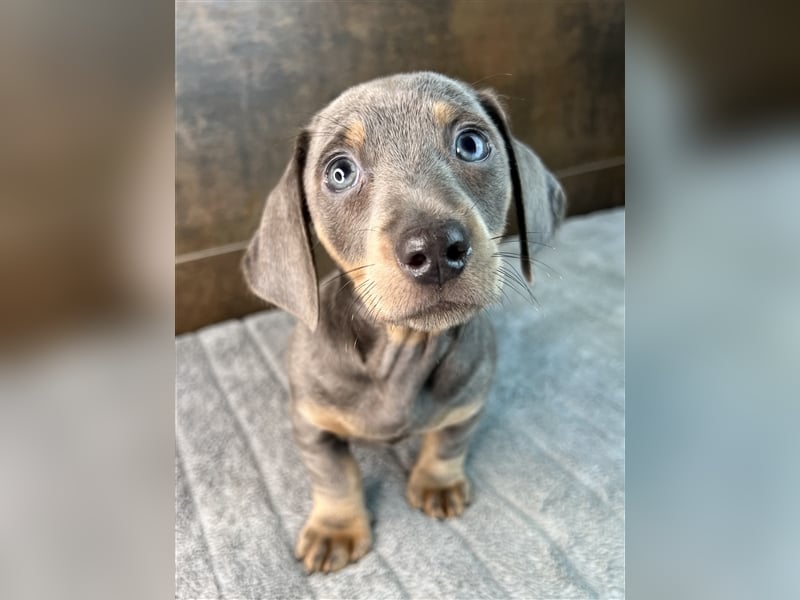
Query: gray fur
<point>347,357</point>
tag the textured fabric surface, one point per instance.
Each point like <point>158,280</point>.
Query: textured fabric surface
<point>547,461</point>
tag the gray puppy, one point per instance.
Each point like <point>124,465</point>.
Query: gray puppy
<point>406,182</point>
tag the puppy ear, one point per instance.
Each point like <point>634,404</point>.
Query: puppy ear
<point>538,198</point>
<point>278,264</point>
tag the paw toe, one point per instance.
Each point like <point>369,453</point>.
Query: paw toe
<point>433,504</point>
<point>327,549</point>
<point>454,506</point>
<point>440,502</point>
<point>338,557</point>
<point>316,555</point>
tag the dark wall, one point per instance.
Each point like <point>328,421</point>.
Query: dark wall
<point>250,74</point>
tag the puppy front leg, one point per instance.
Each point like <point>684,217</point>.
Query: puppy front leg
<point>438,484</point>
<point>337,531</point>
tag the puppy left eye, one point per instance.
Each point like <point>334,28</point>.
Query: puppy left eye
<point>341,174</point>
<point>471,146</point>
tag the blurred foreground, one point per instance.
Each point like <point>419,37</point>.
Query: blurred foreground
<point>86,345</point>
<point>713,295</point>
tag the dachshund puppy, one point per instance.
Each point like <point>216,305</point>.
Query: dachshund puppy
<point>406,182</point>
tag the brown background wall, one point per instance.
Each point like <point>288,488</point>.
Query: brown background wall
<point>250,74</point>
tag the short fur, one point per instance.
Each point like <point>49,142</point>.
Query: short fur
<point>377,356</point>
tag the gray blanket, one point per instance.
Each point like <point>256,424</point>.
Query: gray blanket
<point>547,462</point>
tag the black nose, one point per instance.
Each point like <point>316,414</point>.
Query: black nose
<point>434,254</point>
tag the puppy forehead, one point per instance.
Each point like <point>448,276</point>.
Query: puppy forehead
<point>402,103</point>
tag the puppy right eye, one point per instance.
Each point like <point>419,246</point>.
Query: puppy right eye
<point>471,146</point>
<point>341,174</point>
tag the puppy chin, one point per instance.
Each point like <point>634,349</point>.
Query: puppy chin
<point>442,314</point>
<point>439,320</point>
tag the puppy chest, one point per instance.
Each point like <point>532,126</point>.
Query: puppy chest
<point>391,400</point>
<point>374,412</point>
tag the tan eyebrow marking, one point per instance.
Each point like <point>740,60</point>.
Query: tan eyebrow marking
<point>355,134</point>
<point>443,113</point>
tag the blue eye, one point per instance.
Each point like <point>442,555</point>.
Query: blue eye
<point>471,146</point>
<point>341,174</point>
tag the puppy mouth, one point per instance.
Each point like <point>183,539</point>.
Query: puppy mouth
<point>422,309</point>
<point>441,309</point>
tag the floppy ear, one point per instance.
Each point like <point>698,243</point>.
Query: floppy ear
<point>538,198</point>
<point>278,264</point>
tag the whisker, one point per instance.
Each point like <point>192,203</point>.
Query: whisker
<point>357,294</point>
<point>364,286</point>
<point>548,270</point>
<point>514,288</point>
<point>514,241</point>
<point>473,84</point>
<point>345,273</point>
<point>346,283</point>
<point>501,288</point>
<point>372,306</point>
<point>332,121</point>
<point>512,234</point>
<point>518,279</point>
<point>511,276</point>
<point>508,97</point>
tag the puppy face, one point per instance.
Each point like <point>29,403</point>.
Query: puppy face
<point>407,181</point>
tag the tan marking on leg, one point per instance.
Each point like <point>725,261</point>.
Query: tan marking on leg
<point>327,503</point>
<point>328,419</point>
<point>443,113</point>
<point>342,424</point>
<point>337,531</point>
<point>443,470</point>
<point>438,487</point>
<point>457,415</point>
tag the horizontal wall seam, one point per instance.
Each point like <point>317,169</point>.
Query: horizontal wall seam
<point>597,165</point>
<point>211,252</point>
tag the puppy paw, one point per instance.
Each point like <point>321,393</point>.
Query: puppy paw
<point>326,544</point>
<point>439,501</point>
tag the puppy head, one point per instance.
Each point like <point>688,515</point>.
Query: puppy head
<point>406,181</point>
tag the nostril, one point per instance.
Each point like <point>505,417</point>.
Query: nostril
<point>456,252</point>
<point>417,260</point>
